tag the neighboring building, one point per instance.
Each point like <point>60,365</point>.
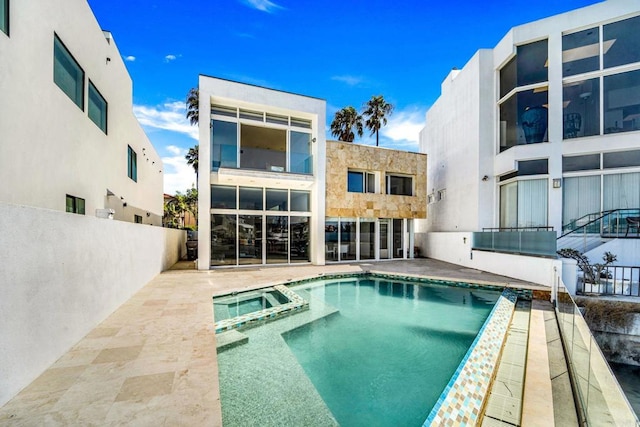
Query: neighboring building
<point>542,129</point>
<point>69,139</point>
<point>262,155</point>
<point>372,197</point>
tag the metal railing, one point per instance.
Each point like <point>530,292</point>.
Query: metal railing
<point>599,398</point>
<point>611,280</point>
<point>540,228</point>
<point>591,230</point>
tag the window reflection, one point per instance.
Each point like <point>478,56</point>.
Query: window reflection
<point>300,239</point>
<point>532,63</point>
<point>581,112</point>
<point>277,230</point>
<point>250,239</point>
<point>224,145</point>
<point>621,42</point>
<point>581,52</point>
<point>524,118</point>
<point>223,239</point>
<point>622,102</point>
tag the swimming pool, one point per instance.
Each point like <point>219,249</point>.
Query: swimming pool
<point>369,351</point>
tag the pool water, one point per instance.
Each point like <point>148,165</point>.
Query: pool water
<point>230,306</point>
<point>388,355</point>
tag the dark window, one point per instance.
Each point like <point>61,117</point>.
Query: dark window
<point>132,164</point>
<point>4,16</point>
<point>580,163</point>
<point>67,73</point>
<point>277,119</point>
<point>581,111</point>
<point>300,201</point>
<point>508,77</point>
<point>224,145</point>
<point>301,123</point>
<point>224,111</point>
<point>621,43</point>
<point>251,115</point>
<point>400,185</point>
<point>251,198</point>
<point>361,182</point>
<point>622,102</point>
<point>223,197</point>
<point>532,63</point>
<point>137,219</point>
<point>533,167</point>
<point>75,205</point>
<point>621,159</point>
<point>581,52</point>
<point>524,118</point>
<point>97,108</point>
<point>276,200</point>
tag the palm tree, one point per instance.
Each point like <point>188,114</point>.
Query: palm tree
<point>193,99</point>
<point>376,111</point>
<point>345,122</point>
<point>192,159</point>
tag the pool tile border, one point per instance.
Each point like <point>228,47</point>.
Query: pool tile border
<point>296,303</point>
<point>463,398</point>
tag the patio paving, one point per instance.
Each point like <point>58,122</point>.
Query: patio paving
<point>153,361</point>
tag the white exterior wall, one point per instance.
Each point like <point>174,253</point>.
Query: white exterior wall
<point>61,276</point>
<point>48,146</point>
<point>225,92</point>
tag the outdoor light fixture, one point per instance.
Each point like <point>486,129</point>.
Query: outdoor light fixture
<point>557,182</point>
<point>485,178</point>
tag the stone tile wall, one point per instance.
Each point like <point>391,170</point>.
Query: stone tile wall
<point>342,156</point>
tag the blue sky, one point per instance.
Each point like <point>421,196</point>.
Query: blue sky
<point>339,50</point>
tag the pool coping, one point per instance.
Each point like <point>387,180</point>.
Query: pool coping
<point>463,398</point>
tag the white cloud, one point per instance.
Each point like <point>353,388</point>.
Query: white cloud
<point>263,5</point>
<point>349,80</point>
<point>170,58</point>
<point>178,175</point>
<point>403,128</point>
<point>130,58</point>
<point>168,116</point>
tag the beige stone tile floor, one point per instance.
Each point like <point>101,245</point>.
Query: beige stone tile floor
<point>153,361</point>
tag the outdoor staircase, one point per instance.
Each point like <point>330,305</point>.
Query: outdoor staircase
<point>593,230</point>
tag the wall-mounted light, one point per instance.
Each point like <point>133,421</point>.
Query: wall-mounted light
<point>557,182</point>
<point>313,140</point>
<point>108,60</point>
<point>485,178</point>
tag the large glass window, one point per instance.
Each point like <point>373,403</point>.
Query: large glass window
<point>532,63</point>
<point>277,200</point>
<point>621,159</point>
<point>581,52</point>
<point>524,203</point>
<point>347,239</point>
<point>331,247</point>
<point>300,157</point>
<point>224,145</point>
<point>4,16</point>
<point>97,108</point>
<point>508,77</point>
<point>300,201</point>
<point>75,205</point>
<point>300,239</point>
<point>250,239</point>
<point>622,102</point>
<point>580,163</point>
<point>581,108</point>
<point>67,73</point>
<point>277,231</point>
<point>398,239</point>
<point>263,148</point>
<point>581,196</point>
<point>223,239</point>
<point>621,191</point>
<point>223,197</point>
<point>132,164</point>
<point>400,185</point>
<point>621,42</point>
<point>524,118</point>
<point>367,239</point>
<point>251,198</point>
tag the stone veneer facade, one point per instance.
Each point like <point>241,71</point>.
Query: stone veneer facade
<point>342,156</point>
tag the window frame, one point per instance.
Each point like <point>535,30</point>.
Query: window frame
<point>76,207</point>
<point>92,88</point>
<point>366,184</point>
<point>388,177</point>
<point>59,44</point>
<point>132,164</point>
<point>137,219</point>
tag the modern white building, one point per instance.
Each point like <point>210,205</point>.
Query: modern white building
<point>262,156</point>
<point>68,138</point>
<point>541,130</point>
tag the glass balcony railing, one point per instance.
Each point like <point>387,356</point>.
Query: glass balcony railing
<point>535,241</point>
<point>601,401</point>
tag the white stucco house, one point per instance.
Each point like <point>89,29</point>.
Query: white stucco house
<point>539,131</point>
<point>70,141</point>
<point>262,155</point>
